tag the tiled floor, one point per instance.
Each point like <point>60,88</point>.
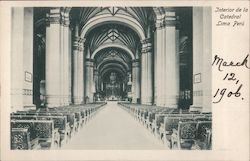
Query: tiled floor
<point>113,128</point>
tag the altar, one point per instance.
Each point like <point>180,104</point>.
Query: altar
<point>113,88</point>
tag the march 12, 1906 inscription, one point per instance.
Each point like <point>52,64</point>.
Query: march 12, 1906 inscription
<point>222,65</point>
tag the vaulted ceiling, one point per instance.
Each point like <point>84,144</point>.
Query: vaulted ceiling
<point>116,33</point>
<point>113,58</point>
<point>112,34</point>
<point>144,15</point>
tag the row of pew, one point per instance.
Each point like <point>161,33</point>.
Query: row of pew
<point>176,128</point>
<point>49,128</point>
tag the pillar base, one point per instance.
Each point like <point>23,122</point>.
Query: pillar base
<point>77,101</point>
<point>29,107</point>
<point>147,101</point>
<point>196,108</point>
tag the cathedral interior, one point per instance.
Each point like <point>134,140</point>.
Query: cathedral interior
<point>74,67</point>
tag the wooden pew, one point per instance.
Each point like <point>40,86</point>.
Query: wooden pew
<point>42,132</point>
<point>169,122</point>
<point>204,135</point>
<point>157,121</point>
<point>60,123</point>
<point>172,122</point>
<point>64,120</point>
<point>185,135</point>
<point>20,139</point>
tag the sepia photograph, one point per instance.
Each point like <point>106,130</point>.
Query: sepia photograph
<point>119,80</point>
<point>111,78</point>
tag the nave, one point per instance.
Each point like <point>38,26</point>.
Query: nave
<point>113,128</point>
<point>153,58</point>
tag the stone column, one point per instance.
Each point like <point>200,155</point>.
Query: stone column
<point>70,66</point>
<point>75,68</point>
<point>96,73</point>
<point>17,75</point>
<point>102,86</point>
<point>57,57</point>
<point>146,72</point>
<point>202,88</point>
<point>159,63</point>
<point>171,61</point>
<point>136,80</point>
<point>65,64</point>
<point>89,78</point>
<point>167,58</point>
<point>53,59</point>
<point>22,59</point>
<point>80,66</point>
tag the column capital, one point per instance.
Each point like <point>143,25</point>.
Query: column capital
<point>89,63</point>
<point>159,24</point>
<point>54,16</point>
<point>170,19</point>
<point>65,20</point>
<point>136,63</point>
<point>78,43</point>
<point>165,16</point>
<point>58,15</point>
<point>96,71</point>
<point>81,42</point>
<point>146,45</point>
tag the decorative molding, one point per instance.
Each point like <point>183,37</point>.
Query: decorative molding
<point>89,63</point>
<point>78,43</point>
<point>198,93</point>
<point>146,45</point>
<point>58,15</point>
<point>27,92</point>
<point>165,17</point>
<point>169,21</point>
<point>159,25</point>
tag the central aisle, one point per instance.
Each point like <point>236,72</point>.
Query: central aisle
<point>113,128</point>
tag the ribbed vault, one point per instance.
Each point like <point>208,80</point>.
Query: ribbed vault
<point>143,15</point>
<point>112,34</point>
<point>113,58</point>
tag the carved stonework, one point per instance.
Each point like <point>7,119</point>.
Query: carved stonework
<point>78,43</point>
<point>166,16</point>
<point>20,138</point>
<point>136,63</point>
<point>146,46</point>
<point>58,15</point>
<point>89,63</point>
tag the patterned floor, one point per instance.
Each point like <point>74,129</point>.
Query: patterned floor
<point>113,128</point>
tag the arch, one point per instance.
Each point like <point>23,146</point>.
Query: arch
<point>116,45</point>
<point>119,19</point>
<point>108,61</point>
<point>117,66</point>
<point>116,69</point>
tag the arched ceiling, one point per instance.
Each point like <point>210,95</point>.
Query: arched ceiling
<point>114,34</point>
<point>119,76</point>
<point>144,15</point>
<point>113,66</point>
<point>111,58</point>
<point>112,54</point>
